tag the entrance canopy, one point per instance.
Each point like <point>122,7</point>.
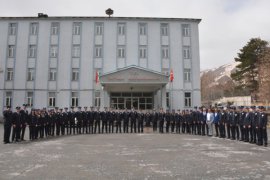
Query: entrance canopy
<point>133,79</point>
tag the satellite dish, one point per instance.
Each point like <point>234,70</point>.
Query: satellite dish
<point>109,12</point>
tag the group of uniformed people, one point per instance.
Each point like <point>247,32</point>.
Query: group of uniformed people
<point>247,124</point>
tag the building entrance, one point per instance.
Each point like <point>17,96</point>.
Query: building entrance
<point>138,100</point>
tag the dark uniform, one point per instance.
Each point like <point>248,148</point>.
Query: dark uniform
<point>154,119</point>
<point>104,119</point>
<point>97,117</point>
<point>90,116</point>
<point>7,124</point>
<point>111,120</point>
<point>25,120</point>
<point>118,116</point>
<point>161,117</point>
<point>242,116</point>
<point>247,125</point>
<point>222,122</point>
<point>126,120</point>
<point>168,121</point>
<point>17,124</point>
<point>133,118</point>
<point>140,117</point>
<point>261,127</point>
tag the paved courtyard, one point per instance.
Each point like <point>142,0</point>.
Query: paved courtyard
<point>133,156</point>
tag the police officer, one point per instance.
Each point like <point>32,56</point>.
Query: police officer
<point>133,118</point>
<point>154,120</point>
<point>261,127</point>
<point>85,121</point>
<point>118,116</point>
<point>7,124</point>
<point>242,116</point>
<point>91,120</point>
<point>247,124</point>
<point>97,117</point>
<point>161,117</point>
<point>111,119</point>
<point>64,126</point>
<point>173,120</point>
<point>16,124</point>
<point>222,131</point>
<point>168,120</point>
<point>125,118</point>
<point>104,117</point>
<point>140,117</point>
<point>25,120</point>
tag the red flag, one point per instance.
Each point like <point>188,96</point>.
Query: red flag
<point>97,77</point>
<point>171,76</point>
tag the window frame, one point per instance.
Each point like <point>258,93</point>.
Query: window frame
<point>30,74</point>
<point>9,74</point>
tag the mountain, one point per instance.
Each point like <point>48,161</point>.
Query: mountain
<point>221,74</point>
<point>217,82</point>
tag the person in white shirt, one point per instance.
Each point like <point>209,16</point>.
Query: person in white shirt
<point>209,121</point>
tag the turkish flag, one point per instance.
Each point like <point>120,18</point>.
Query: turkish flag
<point>171,76</point>
<point>97,77</point>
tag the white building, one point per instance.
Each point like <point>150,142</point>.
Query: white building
<point>53,61</point>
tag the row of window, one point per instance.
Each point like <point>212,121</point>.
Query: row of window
<point>75,99</point>
<point>75,74</point>
<point>51,98</point>
<point>76,51</point>
<point>121,28</point>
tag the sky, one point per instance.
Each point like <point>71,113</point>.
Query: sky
<point>226,26</point>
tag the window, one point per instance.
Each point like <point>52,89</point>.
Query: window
<point>187,75</point>
<point>52,99</point>
<point>55,28</point>
<point>97,98</point>
<point>99,28</point>
<point>11,51</point>
<point>9,74</point>
<point>33,28</point>
<point>187,99</point>
<point>77,28</point>
<point>142,29</point>
<point>121,52</point>
<point>121,29</point>
<point>54,51</point>
<point>30,74</point>
<point>143,52</point>
<point>30,98</point>
<point>98,52</point>
<point>167,99</point>
<point>74,99</point>
<point>76,52</point>
<point>75,74</point>
<point>52,74</point>
<point>12,28</point>
<point>186,52</point>
<point>185,29</point>
<point>165,52</point>
<point>8,101</point>
<point>164,29</point>
<point>32,51</point>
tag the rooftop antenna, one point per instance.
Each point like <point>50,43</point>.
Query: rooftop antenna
<point>109,12</point>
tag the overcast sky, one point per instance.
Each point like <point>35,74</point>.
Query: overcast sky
<point>226,26</point>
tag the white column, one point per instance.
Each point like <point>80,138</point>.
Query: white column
<point>163,98</point>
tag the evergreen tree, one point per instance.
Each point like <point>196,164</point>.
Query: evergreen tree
<point>246,74</point>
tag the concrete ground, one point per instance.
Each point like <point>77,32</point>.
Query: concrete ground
<point>133,156</point>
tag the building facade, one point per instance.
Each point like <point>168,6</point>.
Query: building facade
<point>119,62</point>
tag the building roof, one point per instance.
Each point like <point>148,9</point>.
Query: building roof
<point>99,18</point>
<point>136,67</point>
